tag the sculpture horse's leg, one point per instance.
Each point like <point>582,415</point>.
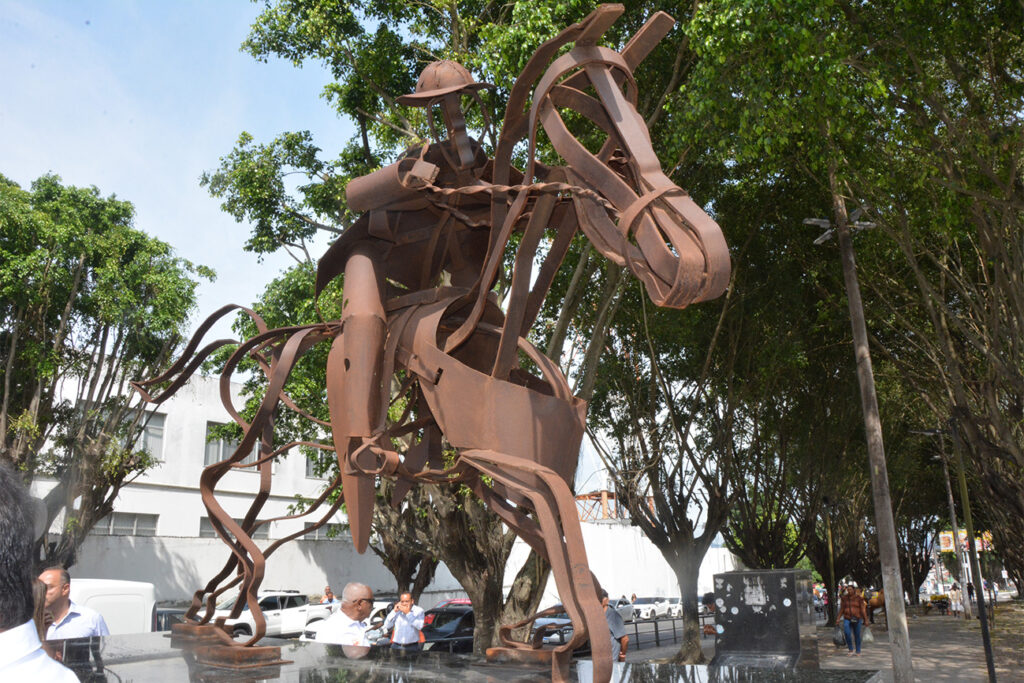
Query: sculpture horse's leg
<point>353,384</point>
<point>557,536</point>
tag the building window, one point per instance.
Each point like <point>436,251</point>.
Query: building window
<point>324,533</point>
<point>318,461</point>
<point>220,449</point>
<point>126,524</point>
<point>153,435</point>
<point>206,529</point>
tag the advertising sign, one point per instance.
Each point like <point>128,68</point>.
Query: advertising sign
<point>981,543</point>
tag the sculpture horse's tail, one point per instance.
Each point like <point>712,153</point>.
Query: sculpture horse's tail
<point>276,352</point>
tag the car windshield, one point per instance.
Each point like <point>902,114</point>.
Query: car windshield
<point>443,620</point>
<point>644,601</point>
<point>229,603</point>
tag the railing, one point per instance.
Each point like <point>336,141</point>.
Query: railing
<point>666,631</point>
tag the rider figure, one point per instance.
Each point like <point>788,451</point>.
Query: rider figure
<point>399,216</point>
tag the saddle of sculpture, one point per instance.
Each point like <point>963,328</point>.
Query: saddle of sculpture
<point>419,268</point>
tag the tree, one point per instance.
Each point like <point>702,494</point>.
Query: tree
<point>916,111</point>
<point>88,302</point>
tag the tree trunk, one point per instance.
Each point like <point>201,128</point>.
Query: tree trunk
<point>687,568</point>
<point>526,592</point>
<point>610,299</point>
<point>485,592</point>
<point>570,303</point>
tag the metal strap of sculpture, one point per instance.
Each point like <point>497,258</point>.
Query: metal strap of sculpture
<point>445,212</point>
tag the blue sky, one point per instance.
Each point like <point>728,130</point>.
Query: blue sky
<point>139,98</point>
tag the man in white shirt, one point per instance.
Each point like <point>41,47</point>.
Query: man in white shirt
<point>22,657</point>
<point>407,619</point>
<point>69,620</point>
<point>349,624</point>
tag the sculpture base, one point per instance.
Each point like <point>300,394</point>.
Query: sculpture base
<point>228,657</point>
<point>192,635</point>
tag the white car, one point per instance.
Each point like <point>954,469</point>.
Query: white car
<point>675,607</point>
<point>624,607</point>
<point>650,608</point>
<point>287,614</point>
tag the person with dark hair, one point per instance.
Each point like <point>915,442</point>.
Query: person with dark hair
<point>69,620</point>
<point>40,616</point>
<point>22,657</point>
<point>853,612</point>
<point>620,641</point>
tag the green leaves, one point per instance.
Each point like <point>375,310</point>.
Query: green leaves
<point>87,303</point>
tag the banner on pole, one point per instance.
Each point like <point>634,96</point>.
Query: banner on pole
<point>981,543</point>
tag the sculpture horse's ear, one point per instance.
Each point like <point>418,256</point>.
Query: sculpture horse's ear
<point>586,32</point>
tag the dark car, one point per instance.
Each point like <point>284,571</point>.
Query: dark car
<point>557,628</point>
<point>449,627</point>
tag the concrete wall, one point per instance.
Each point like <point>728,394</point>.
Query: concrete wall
<point>178,566</point>
<point>626,562</point>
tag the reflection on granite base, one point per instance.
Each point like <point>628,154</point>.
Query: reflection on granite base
<point>150,657</point>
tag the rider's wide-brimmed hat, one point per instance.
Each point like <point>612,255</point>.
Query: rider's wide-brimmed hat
<point>441,78</point>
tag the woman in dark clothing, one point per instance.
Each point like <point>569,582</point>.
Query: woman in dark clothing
<point>853,611</point>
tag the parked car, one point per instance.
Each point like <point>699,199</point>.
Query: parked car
<point>126,606</point>
<point>558,627</point>
<point>674,608</point>
<point>287,613</point>
<point>449,627</point>
<point>650,608</point>
<point>624,607</point>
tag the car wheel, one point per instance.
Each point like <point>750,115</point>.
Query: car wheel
<point>239,631</point>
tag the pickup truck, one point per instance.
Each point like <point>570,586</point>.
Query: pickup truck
<point>287,613</point>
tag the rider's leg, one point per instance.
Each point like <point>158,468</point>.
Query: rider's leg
<point>354,381</point>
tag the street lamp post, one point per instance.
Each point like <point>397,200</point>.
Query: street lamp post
<point>975,570</point>
<point>832,592</point>
<point>895,610</point>
<point>968,610</point>
<point>975,567</point>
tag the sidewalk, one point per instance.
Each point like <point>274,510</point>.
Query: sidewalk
<point>942,648</point>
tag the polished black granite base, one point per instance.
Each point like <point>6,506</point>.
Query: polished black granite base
<point>152,658</point>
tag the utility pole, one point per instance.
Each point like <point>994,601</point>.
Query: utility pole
<point>895,611</point>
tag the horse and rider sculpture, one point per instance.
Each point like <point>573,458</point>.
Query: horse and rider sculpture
<point>420,323</point>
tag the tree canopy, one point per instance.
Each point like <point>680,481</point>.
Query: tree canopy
<point>87,303</point>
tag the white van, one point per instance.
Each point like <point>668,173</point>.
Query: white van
<point>126,606</point>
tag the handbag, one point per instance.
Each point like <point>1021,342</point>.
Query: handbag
<point>838,637</point>
<point>866,636</point>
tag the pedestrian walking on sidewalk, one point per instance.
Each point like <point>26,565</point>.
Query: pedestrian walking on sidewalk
<point>853,612</point>
<point>956,600</point>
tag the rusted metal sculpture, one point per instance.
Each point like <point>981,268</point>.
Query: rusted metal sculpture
<point>444,213</point>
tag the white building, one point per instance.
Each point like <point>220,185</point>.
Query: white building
<point>160,532</point>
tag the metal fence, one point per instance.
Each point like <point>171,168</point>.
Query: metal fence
<point>666,631</point>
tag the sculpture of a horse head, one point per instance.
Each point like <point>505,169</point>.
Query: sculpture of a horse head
<point>662,236</point>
